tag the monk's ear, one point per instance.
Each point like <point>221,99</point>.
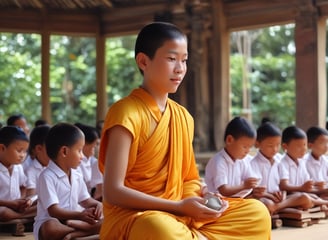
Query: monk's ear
<point>257,144</point>
<point>141,60</point>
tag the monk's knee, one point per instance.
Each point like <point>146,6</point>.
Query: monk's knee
<point>158,226</point>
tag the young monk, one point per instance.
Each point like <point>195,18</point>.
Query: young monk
<point>152,189</point>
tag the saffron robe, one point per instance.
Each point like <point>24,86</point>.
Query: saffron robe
<point>162,163</point>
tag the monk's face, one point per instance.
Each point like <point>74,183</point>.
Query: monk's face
<point>165,72</point>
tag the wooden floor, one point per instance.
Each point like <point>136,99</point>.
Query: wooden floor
<point>315,232</point>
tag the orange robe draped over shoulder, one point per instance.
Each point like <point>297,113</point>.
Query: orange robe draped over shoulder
<point>161,161</point>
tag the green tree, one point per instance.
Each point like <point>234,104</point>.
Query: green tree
<point>20,75</point>
<point>272,76</point>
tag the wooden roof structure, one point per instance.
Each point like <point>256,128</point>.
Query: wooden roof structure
<point>208,23</point>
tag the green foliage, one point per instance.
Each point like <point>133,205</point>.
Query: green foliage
<point>72,76</point>
<point>73,79</point>
<point>20,75</point>
<point>123,73</point>
<point>272,80</point>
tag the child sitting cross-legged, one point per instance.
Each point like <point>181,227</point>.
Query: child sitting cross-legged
<point>264,166</point>
<point>62,191</point>
<point>317,160</point>
<point>13,202</point>
<point>294,176</point>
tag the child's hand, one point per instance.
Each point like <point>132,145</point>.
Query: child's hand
<point>320,185</point>
<point>98,211</point>
<point>250,183</point>
<point>88,215</point>
<point>277,197</point>
<point>259,192</point>
<point>20,205</point>
<point>307,186</point>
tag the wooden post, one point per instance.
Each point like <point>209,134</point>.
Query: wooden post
<point>101,80</point>
<point>311,86</point>
<point>220,77</point>
<point>45,75</point>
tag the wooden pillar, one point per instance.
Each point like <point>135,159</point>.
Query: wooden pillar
<point>198,82</point>
<point>45,76</point>
<point>220,77</point>
<point>101,80</point>
<point>310,41</point>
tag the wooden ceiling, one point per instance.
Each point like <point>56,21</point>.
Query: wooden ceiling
<point>117,17</point>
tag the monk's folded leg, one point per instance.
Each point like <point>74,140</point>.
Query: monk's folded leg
<point>246,219</point>
<point>160,226</point>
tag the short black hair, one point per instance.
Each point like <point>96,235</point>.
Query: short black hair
<point>10,134</point>
<point>13,118</point>
<point>314,132</point>
<point>40,122</point>
<point>90,132</point>
<point>61,134</point>
<point>239,127</point>
<point>292,133</point>
<point>38,136</point>
<point>266,130</point>
<point>152,37</point>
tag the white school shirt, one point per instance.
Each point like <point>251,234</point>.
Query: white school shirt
<point>32,173</point>
<point>317,169</point>
<point>10,184</point>
<point>90,172</point>
<point>268,174</point>
<point>96,175</point>
<point>54,187</point>
<point>296,175</point>
<point>221,169</point>
<point>27,162</point>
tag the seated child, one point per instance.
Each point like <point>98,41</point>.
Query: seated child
<point>317,161</point>
<point>227,172</point>
<point>294,177</point>
<point>89,165</point>
<point>13,201</point>
<point>37,148</point>
<point>62,191</point>
<point>264,166</point>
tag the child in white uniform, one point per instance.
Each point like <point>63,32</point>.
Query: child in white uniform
<point>37,148</point>
<point>294,176</point>
<point>265,167</point>
<point>316,159</point>
<point>227,172</point>
<point>13,201</point>
<point>62,190</point>
<point>89,165</point>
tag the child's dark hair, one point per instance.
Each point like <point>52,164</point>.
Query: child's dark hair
<point>291,133</point>
<point>38,137</point>
<point>266,130</point>
<point>239,127</point>
<point>10,134</point>
<point>90,133</point>
<point>13,118</point>
<point>61,134</point>
<point>153,36</point>
<point>314,132</point>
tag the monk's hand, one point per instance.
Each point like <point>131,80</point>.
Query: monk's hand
<point>195,207</point>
